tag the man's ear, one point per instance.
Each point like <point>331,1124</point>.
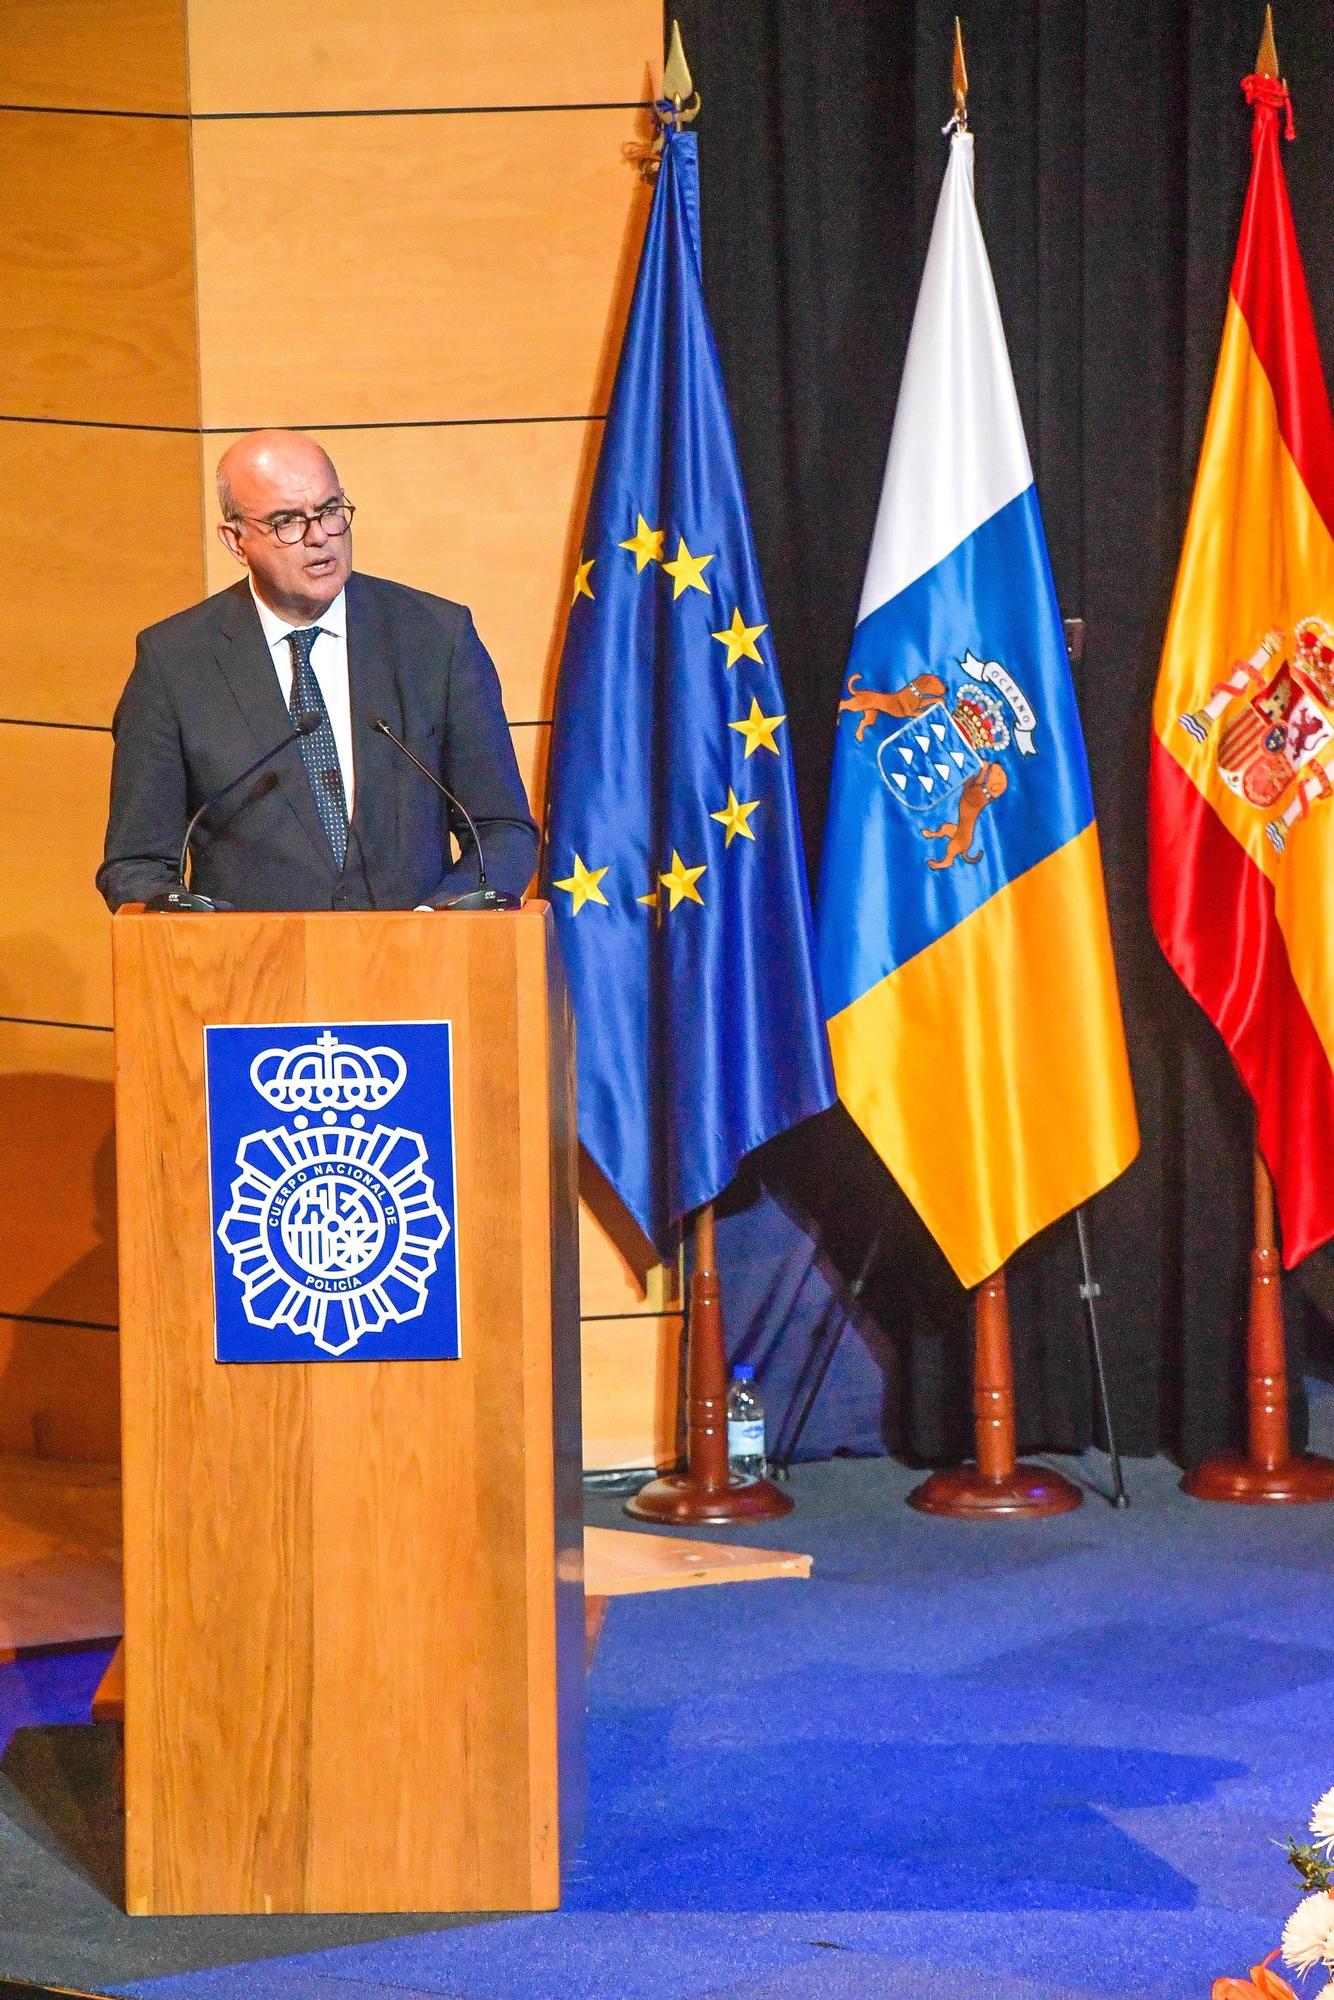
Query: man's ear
<point>230,537</point>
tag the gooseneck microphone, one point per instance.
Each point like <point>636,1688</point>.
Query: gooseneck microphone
<point>181,898</point>
<point>483,897</point>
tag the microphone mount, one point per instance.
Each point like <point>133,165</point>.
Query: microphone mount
<point>183,901</point>
<point>483,897</point>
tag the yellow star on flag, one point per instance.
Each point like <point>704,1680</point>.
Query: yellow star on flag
<point>739,639</point>
<point>735,816</point>
<point>687,571</point>
<point>679,881</point>
<point>583,886</point>
<point>581,585</point>
<point>645,545</point>
<point>758,729</point>
<point>651,899</point>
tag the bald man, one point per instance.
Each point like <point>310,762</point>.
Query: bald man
<point>339,820</point>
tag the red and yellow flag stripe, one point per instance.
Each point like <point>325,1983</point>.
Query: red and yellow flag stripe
<point>1242,873</point>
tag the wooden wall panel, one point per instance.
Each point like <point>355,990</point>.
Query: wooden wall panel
<point>610,1282</point>
<point>341,55</point>
<point>428,267</point>
<point>619,1272</point>
<point>59,1390</point>
<point>632,1377</point>
<point>116,55</point>
<point>97,302</point>
<point>55,961</point>
<point>57,1174</point>
<point>488,514</point>
<point>470,267</point>
<point>66,647</point>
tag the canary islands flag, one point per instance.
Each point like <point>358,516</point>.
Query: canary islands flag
<point>964,954</point>
<point>673,856</point>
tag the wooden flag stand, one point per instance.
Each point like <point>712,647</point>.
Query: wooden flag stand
<point>996,1485</point>
<point>1268,1474</point>
<point>705,1491</point>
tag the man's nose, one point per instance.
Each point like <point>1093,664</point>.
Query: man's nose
<point>316,527</point>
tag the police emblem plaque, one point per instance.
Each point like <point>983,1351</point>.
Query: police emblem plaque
<point>333,1214</point>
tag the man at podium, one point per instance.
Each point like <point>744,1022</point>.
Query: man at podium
<point>301,675</point>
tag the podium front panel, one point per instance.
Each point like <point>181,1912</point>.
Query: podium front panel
<point>353,1611</point>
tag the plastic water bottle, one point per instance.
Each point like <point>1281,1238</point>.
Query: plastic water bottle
<point>745,1426</point>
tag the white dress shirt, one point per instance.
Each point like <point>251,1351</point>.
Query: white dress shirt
<point>328,656</point>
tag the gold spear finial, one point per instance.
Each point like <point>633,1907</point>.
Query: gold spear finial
<point>677,104</point>
<point>1266,61</point>
<point>677,84</point>
<point>960,79</point>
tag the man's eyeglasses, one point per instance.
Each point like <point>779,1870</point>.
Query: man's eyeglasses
<point>335,519</point>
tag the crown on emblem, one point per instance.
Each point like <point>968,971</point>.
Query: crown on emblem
<point>982,719</point>
<point>1315,654</point>
<point>328,1075</point>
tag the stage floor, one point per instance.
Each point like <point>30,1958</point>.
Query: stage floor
<point>1029,1761</point>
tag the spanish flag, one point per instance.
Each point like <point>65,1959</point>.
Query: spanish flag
<point>1241,817</point>
<point>964,956</point>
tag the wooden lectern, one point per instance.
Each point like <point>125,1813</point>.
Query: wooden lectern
<point>353,1587</point>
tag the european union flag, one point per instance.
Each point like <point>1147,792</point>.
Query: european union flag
<point>673,854</point>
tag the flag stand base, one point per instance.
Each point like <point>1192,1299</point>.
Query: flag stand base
<point>996,1487</point>
<point>964,1493</point>
<point>708,1491</point>
<point>680,1498</point>
<point>1268,1474</point>
<point>1235,1478</point>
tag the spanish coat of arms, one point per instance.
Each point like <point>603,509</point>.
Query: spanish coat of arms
<point>1272,725</point>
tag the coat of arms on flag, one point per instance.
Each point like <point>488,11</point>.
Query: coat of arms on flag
<point>946,753</point>
<point>1274,715</point>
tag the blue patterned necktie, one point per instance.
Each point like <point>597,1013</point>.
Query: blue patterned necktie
<point>319,752</point>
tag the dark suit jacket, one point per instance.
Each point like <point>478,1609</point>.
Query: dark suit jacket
<point>203,701</point>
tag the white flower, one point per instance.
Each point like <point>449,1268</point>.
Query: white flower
<point>1326,1992</point>
<point>1308,1935</point>
<point>1322,1818</point>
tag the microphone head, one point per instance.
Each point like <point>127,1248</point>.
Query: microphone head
<point>307,723</point>
<point>378,722</point>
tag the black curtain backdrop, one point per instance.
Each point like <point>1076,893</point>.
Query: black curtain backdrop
<point>1112,154</point>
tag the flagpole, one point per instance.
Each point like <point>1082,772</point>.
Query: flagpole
<point>706,1490</point>
<point>1269,1474</point>
<point>997,1486</point>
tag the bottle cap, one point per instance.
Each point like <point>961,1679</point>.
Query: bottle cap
<point>744,1373</point>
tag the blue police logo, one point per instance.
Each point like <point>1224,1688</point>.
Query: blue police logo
<point>332,1231</point>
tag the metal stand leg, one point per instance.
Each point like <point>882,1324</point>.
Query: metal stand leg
<point>818,1364</point>
<point>1091,1291</point>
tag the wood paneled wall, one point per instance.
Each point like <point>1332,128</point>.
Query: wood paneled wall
<point>410,228</point>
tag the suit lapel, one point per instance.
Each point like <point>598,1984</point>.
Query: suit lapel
<point>247,668</point>
<point>373,687</point>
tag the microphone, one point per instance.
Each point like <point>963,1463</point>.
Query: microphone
<point>483,897</point>
<point>181,898</point>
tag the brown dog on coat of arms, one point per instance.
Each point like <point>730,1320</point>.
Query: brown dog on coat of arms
<point>916,695</point>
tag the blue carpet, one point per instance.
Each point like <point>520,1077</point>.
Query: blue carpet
<point>1031,1761</point>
